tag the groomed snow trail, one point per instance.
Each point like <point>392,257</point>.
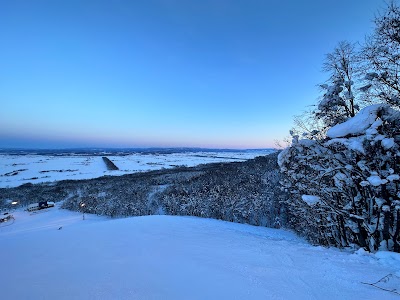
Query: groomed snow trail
<point>167,257</point>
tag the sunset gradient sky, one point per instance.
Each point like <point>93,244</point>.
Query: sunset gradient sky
<point>155,73</point>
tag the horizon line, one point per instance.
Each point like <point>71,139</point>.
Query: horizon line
<point>130,148</point>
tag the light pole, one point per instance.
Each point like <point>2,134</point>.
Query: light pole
<point>83,210</point>
<point>13,204</point>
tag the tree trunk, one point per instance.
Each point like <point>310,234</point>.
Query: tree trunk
<point>396,247</point>
<point>386,226</point>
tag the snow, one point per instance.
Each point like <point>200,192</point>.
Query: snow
<point>375,180</point>
<point>310,200</point>
<point>379,201</point>
<point>389,259</point>
<point>353,143</point>
<point>358,124</point>
<point>16,170</point>
<point>283,156</point>
<point>307,143</point>
<point>393,177</point>
<point>388,143</point>
<point>364,183</point>
<point>167,257</point>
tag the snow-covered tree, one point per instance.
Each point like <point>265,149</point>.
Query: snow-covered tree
<point>339,99</point>
<point>345,188</point>
<point>382,58</point>
<point>344,178</point>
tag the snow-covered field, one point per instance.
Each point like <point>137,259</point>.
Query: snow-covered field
<point>19,169</point>
<point>167,257</point>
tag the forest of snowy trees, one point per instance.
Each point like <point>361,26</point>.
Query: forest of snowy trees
<point>243,192</point>
<point>342,165</point>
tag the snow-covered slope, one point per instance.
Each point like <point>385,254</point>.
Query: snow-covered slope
<point>29,168</point>
<point>166,257</point>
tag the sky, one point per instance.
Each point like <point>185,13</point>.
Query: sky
<point>159,73</point>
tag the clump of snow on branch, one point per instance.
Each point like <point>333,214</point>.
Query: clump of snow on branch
<point>358,124</point>
<point>375,180</point>
<point>311,200</point>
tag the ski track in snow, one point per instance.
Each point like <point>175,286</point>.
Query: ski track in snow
<point>169,257</point>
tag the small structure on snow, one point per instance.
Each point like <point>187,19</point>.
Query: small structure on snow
<point>40,205</point>
<point>6,217</point>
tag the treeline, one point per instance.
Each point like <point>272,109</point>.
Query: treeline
<point>239,192</point>
<point>343,166</point>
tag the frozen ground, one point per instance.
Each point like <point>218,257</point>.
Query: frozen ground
<point>19,169</point>
<point>167,257</point>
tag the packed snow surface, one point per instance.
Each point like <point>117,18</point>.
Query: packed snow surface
<point>16,170</point>
<point>55,254</point>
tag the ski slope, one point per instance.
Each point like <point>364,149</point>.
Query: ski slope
<point>169,257</point>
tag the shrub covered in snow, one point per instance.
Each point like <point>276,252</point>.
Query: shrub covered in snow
<point>354,174</point>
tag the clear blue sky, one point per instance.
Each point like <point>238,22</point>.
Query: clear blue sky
<point>209,73</point>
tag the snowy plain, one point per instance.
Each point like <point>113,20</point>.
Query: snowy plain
<point>55,254</point>
<point>16,170</point>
